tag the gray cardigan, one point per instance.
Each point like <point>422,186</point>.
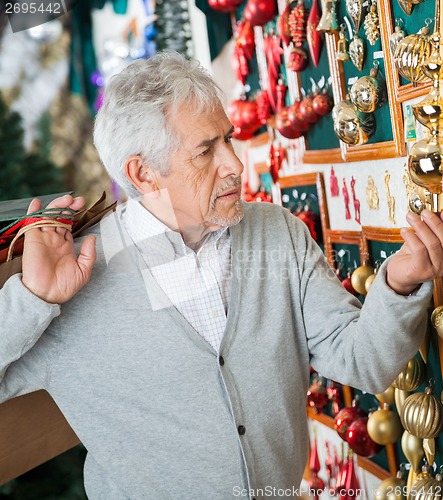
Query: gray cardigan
<point>164,416</point>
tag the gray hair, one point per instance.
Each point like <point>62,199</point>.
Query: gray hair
<point>138,110</point>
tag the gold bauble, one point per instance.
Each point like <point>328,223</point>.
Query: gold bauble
<point>410,54</point>
<point>412,447</point>
<point>359,277</point>
<point>369,280</point>
<point>392,488</point>
<point>400,398</point>
<point>426,487</point>
<point>425,162</point>
<point>422,414</point>
<point>411,377</point>
<point>387,397</point>
<point>437,320</point>
<point>351,125</point>
<point>384,426</point>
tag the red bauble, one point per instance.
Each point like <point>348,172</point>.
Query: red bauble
<point>243,114</point>
<point>346,416</point>
<point>312,220</point>
<point>284,126</point>
<point>224,5</point>
<point>348,285</point>
<point>298,60</point>
<point>243,134</point>
<point>297,120</point>
<point>307,110</point>
<point>316,396</point>
<point>260,12</point>
<point>322,104</point>
<point>359,440</point>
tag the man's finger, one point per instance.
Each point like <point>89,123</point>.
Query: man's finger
<point>34,206</point>
<point>87,257</point>
<point>67,201</point>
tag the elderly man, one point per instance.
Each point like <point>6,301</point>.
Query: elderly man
<point>183,364</point>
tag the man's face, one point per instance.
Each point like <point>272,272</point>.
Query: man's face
<point>204,182</point>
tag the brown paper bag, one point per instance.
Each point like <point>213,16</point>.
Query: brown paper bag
<point>32,428</point>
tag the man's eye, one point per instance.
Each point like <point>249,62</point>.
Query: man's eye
<point>228,139</point>
<point>205,152</point>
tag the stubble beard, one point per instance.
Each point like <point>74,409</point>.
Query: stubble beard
<point>214,218</point>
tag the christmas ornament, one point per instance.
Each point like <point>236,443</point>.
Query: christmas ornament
<point>351,485</point>
<point>307,110</point>
<point>437,320</point>
<point>283,25</point>
<point>393,488</point>
<point>359,440</point>
<point>424,348</point>
<point>298,58</point>
<point>260,12</point>
<point>312,220</point>
<point>346,200</point>
<point>316,396</point>
<point>243,116</point>
<point>406,6</point>
<point>224,5</point>
<point>351,125</point>
<point>359,277</point>
<point>316,484</point>
<point>411,377</point>
<point>390,198</point>
<point>322,103</point>
<point>369,280</point>
<point>384,426</point>
<point>333,184</point>
<point>422,414</point>
<point>264,110</point>
<point>400,398</point>
<point>369,93</point>
<point>371,24</point>
<point>412,447</point>
<point>355,202</point>
<point>372,194</point>
<point>240,64</point>
<point>275,160</point>
<point>357,52</point>
<point>328,22</point>
<point>397,36</point>
<point>334,396</point>
<point>273,52</point>
<point>298,121</point>
<point>354,8</point>
<point>282,122</point>
<point>410,53</point>
<point>346,416</point>
<point>342,51</point>
<point>346,282</point>
<point>315,42</point>
<point>386,397</point>
<point>427,487</point>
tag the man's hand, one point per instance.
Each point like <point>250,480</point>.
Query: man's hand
<point>420,259</point>
<point>51,269</point>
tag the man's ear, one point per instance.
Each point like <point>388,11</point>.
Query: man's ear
<point>141,175</point>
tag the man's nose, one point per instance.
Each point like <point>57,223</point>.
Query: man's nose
<point>230,164</point>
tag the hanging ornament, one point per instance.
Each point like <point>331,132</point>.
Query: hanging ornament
<point>282,122</point>
<point>351,125</point>
<point>411,377</point>
<point>437,320</point>
<point>410,54</point>
<point>346,200</point>
<point>334,396</point>
<point>224,5</point>
<point>283,25</point>
<point>298,58</point>
<point>359,440</point>
<point>328,22</point>
<point>351,486</point>
<point>384,426</point>
<point>390,198</point>
<point>424,348</point>
<point>342,52</point>
<point>323,102</point>
<point>354,8</point>
<point>333,184</point>
<point>406,6</point>
<point>369,93</point>
<point>312,220</point>
<point>273,52</point>
<point>412,447</point>
<point>316,396</point>
<point>357,52</point>
<point>347,284</point>
<point>245,39</point>
<point>393,488</point>
<point>355,201</point>
<point>275,161</point>
<point>400,398</point>
<point>264,110</point>
<point>372,25</point>
<point>368,283</point>
<point>316,484</point>
<point>329,466</point>
<point>243,116</point>
<point>260,12</point>
<point>298,121</point>
<point>346,416</point>
<point>372,194</point>
<point>359,277</point>
<point>307,109</point>
<point>240,64</point>
<point>397,36</point>
<point>387,396</point>
<point>425,486</point>
<point>315,41</point>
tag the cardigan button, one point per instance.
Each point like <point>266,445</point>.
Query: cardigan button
<point>221,360</point>
<point>241,429</point>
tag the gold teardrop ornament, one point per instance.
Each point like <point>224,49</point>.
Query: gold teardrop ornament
<point>400,398</point>
<point>410,54</point>
<point>354,8</point>
<point>386,397</point>
<point>429,447</point>
<point>357,52</point>
<point>412,447</point>
<point>384,426</point>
